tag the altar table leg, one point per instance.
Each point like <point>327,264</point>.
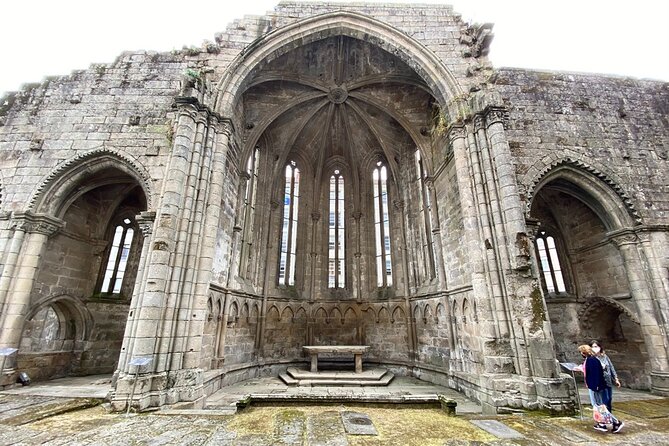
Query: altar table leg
<point>314,362</point>
<point>358,363</point>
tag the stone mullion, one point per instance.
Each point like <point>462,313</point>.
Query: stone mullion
<point>37,229</point>
<point>145,221</point>
<point>652,329</point>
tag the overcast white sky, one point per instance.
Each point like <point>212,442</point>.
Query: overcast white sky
<point>41,38</point>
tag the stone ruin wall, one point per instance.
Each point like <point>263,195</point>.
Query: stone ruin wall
<point>617,129</point>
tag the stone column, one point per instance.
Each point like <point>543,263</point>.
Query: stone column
<point>313,255</point>
<point>145,221</point>
<point>260,333</point>
<point>358,285</point>
<point>411,327</point>
<point>30,237</point>
<point>474,246</point>
<point>655,337</point>
<point>437,248</point>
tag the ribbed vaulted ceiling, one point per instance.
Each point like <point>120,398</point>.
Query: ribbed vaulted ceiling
<point>337,99</point>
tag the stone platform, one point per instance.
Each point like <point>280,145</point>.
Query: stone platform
<point>402,390</point>
<point>374,376</point>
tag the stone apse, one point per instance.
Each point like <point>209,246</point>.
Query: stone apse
<point>334,174</point>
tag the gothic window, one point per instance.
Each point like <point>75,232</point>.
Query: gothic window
<point>248,213</point>
<point>289,228</point>
<point>336,233</point>
<point>550,263</point>
<point>425,217</point>
<point>117,257</point>
<point>384,270</point>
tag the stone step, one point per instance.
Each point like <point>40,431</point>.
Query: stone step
<point>346,382</point>
<point>372,377</point>
<point>371,374</point>
<point>285,377</point>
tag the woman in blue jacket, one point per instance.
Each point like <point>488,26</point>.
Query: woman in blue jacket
<point>594,380</point>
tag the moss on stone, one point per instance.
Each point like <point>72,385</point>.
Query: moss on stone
<point>538,311</point>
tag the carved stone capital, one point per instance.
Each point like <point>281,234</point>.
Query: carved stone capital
<point>357,215</point>
<point>37,223</point>
<point>145,222</point>
<point>315,216</point>
<point>532,225</point>
<point>623,238</point>
<point>495,115</point>
<point>479,123</point>
<point>456,131</point>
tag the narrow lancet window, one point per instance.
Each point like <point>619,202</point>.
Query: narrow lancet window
<point>248,215</point>
<point>384,269</point>
<point>117,261</point>
<point>289,229</point>
<point>336,233</point>
<point>550,263</point>
<point>425,211</point>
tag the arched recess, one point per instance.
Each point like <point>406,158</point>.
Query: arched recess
<point>274,44</point>
<point>55,338</point>
<point>577,207</point>
<point>95,257</point>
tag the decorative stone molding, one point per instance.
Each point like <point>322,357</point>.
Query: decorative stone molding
<point>494,115</point>
<point>37,223</point>
<point>552,162</point>
<point>81,161</point>
<point>455,131</point>
<point>623,237</point>
<point>591,308</point>
<point>145,222</point>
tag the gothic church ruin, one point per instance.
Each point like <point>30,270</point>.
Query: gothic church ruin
<point>335,174</point>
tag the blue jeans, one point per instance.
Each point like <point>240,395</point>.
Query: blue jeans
<point>607,397</point>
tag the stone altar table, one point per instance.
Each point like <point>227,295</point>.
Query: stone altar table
<point>356,350</point>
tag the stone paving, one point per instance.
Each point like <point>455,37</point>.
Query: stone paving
<point>25,420</point>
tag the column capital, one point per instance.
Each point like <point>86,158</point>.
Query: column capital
<point>315,216</point>
<point>533,225</point>
<point>456,131</point>
<point>623,237</point>
<point>37,223</point>
<point>494,115</point>
<point>145,222</point>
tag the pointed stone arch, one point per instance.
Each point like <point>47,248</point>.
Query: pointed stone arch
<point>69,309</point>
<point>63,184</point>
<point>274,44</point>
<point>596,187</point>
<point>590,310</point>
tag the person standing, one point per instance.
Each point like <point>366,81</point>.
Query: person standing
<point>594,379</point>
<point>610,375</point>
